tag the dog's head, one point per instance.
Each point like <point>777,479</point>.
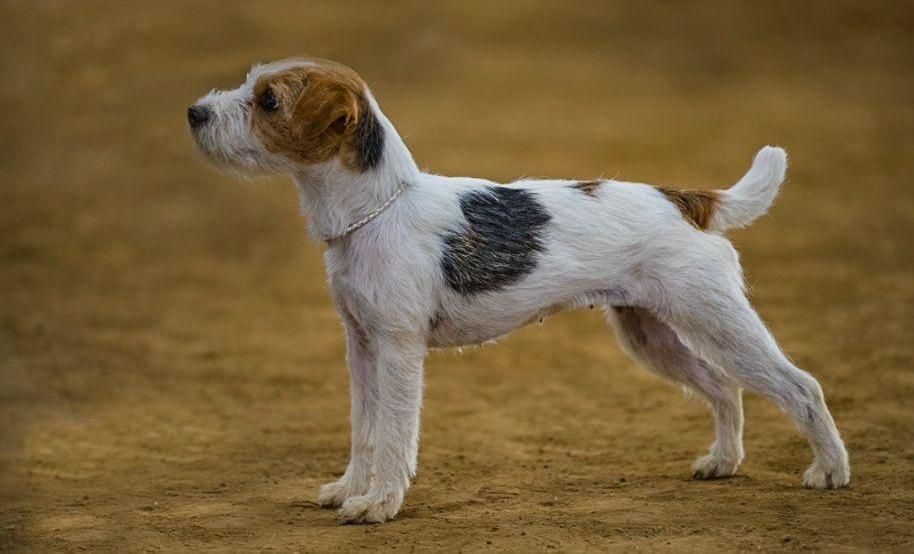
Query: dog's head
<point>288,115</point>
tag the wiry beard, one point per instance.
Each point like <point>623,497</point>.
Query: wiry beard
<point>228,143</point>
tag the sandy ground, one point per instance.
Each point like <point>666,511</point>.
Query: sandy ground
<point>171,368</point>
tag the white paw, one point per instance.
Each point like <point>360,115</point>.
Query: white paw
<point>712,466</point>
<point>333,494</point>
<point>819,476</point>
<point>371,508</point>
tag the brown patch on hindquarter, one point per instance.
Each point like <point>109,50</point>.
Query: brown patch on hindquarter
<point>323,112</point>
<point>589,188</point>
<point>696,206</point>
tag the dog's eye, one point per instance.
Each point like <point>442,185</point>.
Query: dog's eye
<point>268,101</point>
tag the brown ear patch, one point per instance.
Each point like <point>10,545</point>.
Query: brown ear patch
<point>696,206</point>
<point>590,188</point>
<point>323,112</point>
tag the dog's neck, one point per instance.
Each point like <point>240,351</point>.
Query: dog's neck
<point>334,197</point>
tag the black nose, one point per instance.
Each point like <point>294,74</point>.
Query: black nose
<point>198,115</point>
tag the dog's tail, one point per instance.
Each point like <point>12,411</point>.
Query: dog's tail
<point>751,197</point>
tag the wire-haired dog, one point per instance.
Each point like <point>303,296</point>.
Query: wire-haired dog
<point>418,261</point>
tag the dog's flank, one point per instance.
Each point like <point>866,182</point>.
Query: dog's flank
<point>457,261</point>
<point>500,242</point>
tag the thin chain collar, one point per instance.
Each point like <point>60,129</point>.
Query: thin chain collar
<point>368,218</point>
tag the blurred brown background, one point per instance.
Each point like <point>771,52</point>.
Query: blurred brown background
<point>171,367</point>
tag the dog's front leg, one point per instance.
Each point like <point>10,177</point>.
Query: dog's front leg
<point>396,431</point>
<point>363,388</point>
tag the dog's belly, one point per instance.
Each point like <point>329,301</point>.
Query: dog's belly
<point>445,333</point>
<point>452,330</point>
<point>483,321</point>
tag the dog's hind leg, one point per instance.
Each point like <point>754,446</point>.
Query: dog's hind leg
<point>656,346</point>
<point>713,317</point>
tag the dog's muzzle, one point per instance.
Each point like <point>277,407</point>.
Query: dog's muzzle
<point>197,115</point>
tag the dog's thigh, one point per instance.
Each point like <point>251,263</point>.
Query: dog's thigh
<point>655,345</point>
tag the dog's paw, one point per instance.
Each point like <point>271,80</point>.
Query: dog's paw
<point>332,495</point>
<point>712,466</point>
<point>821,476</point>
<point>371,508</point>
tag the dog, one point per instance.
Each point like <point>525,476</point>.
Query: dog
<point>418,261</point>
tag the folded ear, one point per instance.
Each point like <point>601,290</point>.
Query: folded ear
<point>322,108</point>
<point>334,116</point>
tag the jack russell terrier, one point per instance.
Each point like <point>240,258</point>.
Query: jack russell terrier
<point>418,261</point>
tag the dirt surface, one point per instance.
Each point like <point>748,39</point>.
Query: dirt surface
<point>171,367</point>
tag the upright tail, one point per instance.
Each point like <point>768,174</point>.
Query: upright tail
<point>751,197</point>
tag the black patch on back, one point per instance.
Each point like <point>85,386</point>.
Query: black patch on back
<point>500,243</point>
<point>368,141</point>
